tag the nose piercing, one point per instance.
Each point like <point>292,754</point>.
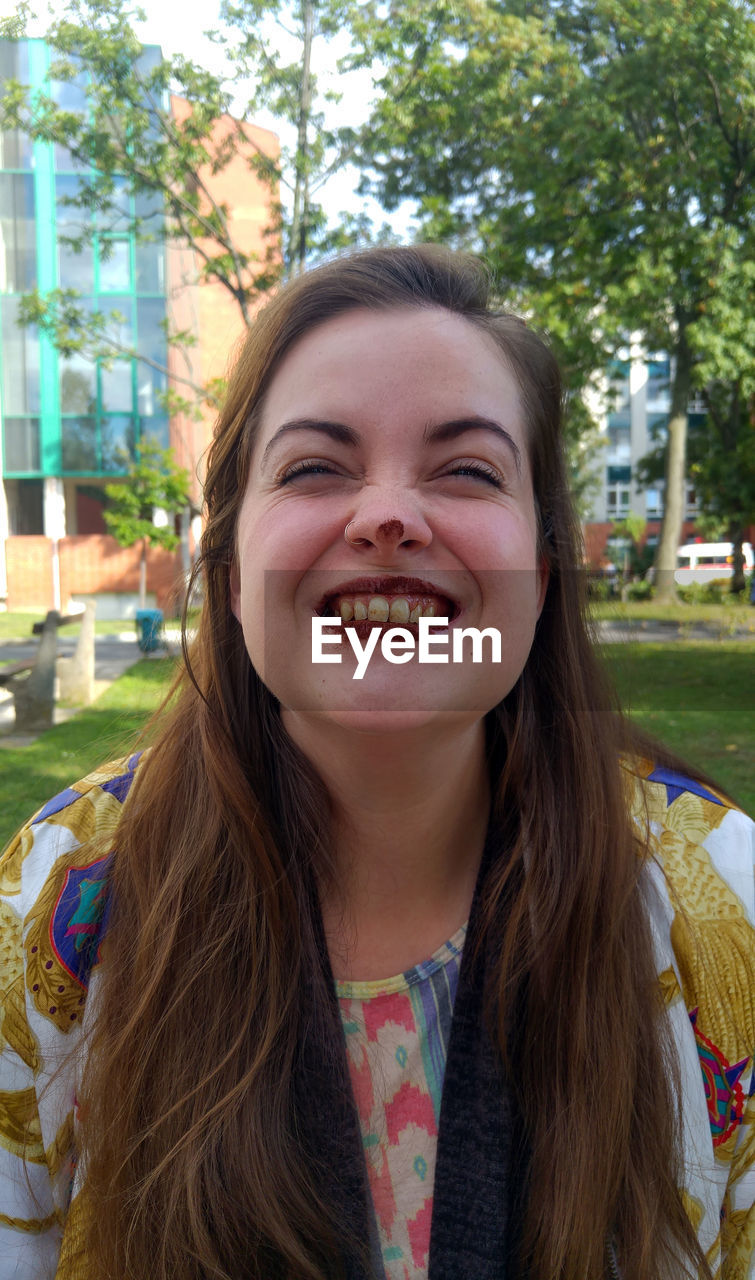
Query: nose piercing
<point>388,529</point>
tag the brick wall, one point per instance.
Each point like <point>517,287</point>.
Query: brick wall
<point>88,563</point>
<point>29,570</point>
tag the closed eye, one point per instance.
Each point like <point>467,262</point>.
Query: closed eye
<point>479,470</point>
<point>307,467</point>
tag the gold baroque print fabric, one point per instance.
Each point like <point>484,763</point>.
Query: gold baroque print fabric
<point>53,913</point>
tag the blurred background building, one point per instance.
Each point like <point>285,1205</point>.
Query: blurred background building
<point>635,407</point>
<point>68,421</point>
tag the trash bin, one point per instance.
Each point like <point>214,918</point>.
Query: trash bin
<point>149,625</point>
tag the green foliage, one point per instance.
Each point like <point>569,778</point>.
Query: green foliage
<point>599,154</point>
<point>642,590</point>
<point>722,461</point>
<point>633,526</point>
<point>126,139</point>
<point>713,592</point>
<point>153,480</point>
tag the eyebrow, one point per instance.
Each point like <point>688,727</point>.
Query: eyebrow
<point>335,430</point>
<point>436,433</point>
<point>458,426</point>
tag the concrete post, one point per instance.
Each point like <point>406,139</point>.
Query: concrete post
<point>76,674</point>
<point>34,696</point>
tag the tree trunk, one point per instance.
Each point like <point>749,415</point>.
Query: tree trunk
<point>299,221</point>
<point>737,583</point>
<point>143,576</point>
<point>676,475</point>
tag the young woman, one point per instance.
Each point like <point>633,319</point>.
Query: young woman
<point>383,967</point>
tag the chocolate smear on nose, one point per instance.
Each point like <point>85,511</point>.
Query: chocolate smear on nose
<point>391,529</point>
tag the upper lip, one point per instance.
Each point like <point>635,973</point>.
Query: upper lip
<point>387,585</point>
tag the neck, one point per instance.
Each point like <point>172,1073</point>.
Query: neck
<point>410,813</point>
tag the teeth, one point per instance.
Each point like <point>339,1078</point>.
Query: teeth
<point>378,609</point>
<point>398,609</point>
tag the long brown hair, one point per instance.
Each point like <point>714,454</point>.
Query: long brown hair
<point>197,1153</point>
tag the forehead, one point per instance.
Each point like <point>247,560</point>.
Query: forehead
<point>378,363</point>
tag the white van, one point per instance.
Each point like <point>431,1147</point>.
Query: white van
<point>705,561</point>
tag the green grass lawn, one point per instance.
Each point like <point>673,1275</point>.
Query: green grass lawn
<point>698,698</point>
<point>31,775</point>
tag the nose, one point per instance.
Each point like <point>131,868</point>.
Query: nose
<point>388,520</point>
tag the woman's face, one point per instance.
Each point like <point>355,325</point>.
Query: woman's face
<point>405,426</point>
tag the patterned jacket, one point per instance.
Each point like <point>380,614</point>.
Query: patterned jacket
<point>53,899</point>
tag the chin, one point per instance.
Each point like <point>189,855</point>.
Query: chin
<point>400,720</point>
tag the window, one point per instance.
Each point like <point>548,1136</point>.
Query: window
<point>75,264</point>
<point>25,507</point>
<point>71,95</point>
<point>118,437</point>
<point>653,504</point>
<point>21,444</point>
<point>18,256</point>
<point>659,372</point>
<point>19,347</point>
<point>78,385</point>
<point>115,265</point>
<point>151,342</point>
<point>617,503</point>
<point>15,147</point>
<point>618,475</point>
<point>619,438</point>
<point>78,437</point>
<point>116,387</point>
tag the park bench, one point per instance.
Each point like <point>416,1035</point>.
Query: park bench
<point>32,682</point>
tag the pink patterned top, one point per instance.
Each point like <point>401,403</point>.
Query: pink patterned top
<point>397,1033</point>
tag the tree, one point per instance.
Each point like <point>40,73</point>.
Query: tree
<point>600,154</point>
<point>154,483</point>
<point>128,141</point>
<point>290,89</point>
<point>722,466</point>
<point>626,536</point>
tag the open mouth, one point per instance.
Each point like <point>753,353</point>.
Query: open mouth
<point>398,602</point>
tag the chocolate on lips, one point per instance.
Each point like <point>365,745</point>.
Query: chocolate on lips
<point>396,601</point>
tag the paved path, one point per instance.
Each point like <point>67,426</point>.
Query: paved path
<point>113,655</point>
<point>651,631</point>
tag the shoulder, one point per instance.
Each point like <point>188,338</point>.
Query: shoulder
<point>53,911</point>
<point>78,824</point>
<point>702,861</point>
<point>53,891</point>
<point>698,836</point>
